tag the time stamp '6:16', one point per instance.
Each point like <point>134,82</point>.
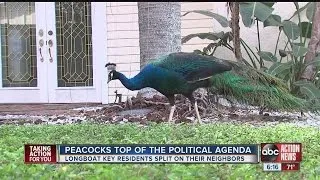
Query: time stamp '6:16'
<point>271,166</point>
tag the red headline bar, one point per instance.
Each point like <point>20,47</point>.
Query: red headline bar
<point>290,166</point>
<point>290,152</point>
<point>40,153</point>
<point>281,152</point>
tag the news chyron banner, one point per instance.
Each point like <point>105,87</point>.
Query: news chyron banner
<point>281,156</point>
<point>44,154</point>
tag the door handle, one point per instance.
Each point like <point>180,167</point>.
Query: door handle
<point>41,44</point>
<point>50,43</point>
<point>50,59</point>
<point>41,57</point>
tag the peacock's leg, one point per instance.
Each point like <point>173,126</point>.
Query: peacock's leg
<point>197,112</point>
<point>171,113</point>
<point>172,109</point>
<point>193,101</point>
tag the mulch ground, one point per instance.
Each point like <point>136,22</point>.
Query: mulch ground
<point>157,110</point>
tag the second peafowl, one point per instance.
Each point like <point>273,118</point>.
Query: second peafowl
<point>183,73</point>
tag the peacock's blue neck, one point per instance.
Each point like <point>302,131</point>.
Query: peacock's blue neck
<point>132,84</point>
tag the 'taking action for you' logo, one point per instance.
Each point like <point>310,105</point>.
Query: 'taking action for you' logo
<point>269,152</point>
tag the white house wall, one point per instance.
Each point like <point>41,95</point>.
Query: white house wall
<point>123,43</point>
<point>123,35</point>
<point>195,23</point>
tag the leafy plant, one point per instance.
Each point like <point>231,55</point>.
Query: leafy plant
<point>294,51</point>
<point>291,62</point>
<point>250,12</point>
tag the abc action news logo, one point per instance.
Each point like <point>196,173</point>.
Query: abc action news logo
<point>281,152</point>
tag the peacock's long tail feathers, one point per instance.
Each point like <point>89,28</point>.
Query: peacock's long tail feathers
<point>251,86</point>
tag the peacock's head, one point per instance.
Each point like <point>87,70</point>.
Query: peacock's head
<point>112,73</point>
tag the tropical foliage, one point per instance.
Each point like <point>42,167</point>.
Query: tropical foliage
<point>288,62</point>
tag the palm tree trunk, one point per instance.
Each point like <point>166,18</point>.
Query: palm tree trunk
<point>159,31</point>
<point>235,10</point>
<point>313,46</point>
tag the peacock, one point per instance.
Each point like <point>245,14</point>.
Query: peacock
<point>183,73</point>
<point>175,73</point>
<point>251,86</point>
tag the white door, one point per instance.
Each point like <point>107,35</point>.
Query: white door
<point>22,73</point>
<point>52,52</point>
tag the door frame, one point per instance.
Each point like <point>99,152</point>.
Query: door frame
<point>91,94</point>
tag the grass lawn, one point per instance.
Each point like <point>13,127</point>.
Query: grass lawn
<point>12,139</point>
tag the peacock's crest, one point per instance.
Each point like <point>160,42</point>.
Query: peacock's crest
<point>111,66</point>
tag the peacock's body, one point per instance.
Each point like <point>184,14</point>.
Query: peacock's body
<point>183,73</point>
<point>176,73</point>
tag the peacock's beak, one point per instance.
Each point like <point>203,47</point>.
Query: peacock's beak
<point>108,80</point>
